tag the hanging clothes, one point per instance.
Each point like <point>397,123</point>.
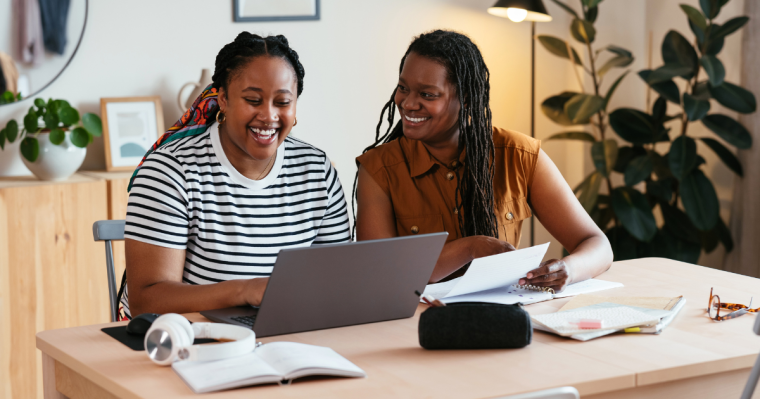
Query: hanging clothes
<point>54,15</point>
<point>10,73</point>
<point>29,46</point>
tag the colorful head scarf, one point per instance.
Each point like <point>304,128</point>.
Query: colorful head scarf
<point>195,121</point>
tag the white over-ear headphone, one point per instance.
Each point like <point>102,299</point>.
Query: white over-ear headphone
<point>170,338</point>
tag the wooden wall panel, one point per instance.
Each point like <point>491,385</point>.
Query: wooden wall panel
<point>52,273</point>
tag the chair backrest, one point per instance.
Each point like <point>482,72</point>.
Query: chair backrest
<point>110,230</point>
<point>554,393</point>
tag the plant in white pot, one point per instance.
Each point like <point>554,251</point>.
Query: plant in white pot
<point>53,138</point>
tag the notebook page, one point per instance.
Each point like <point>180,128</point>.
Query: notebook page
<point>504,295</point>
<point>440,290</point>
<point>293,360</point>
<point>587,286</point>
<point>500,270</point>
<point>226,373</point>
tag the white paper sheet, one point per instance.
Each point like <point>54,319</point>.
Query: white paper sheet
<point>499,271</point>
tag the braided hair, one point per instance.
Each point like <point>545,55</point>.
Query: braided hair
<point>467,70</point>
<point>246,46</point>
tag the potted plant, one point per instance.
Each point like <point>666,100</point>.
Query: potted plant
<point>672,180</point>
<point>53,138</point>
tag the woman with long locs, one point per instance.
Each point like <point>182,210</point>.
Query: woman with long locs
<point>444,167</point>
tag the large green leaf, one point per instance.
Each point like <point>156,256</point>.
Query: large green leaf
<point>668,72</point>
<point>583,136</point>
<point>67,115</point>
<point>618,61</point>
<point>581,107</point>
<point>725,155</point>
<point>623,245</point>
<point>583,31</point>
<point>604,155</point>
<point>554,108</point>
<point>667,89</point>
<point>559,48</point>
<point>617,50</point>
<point>679,224</point>
<point>635,126</point>
<point>714,68</point>
<point>638,170</point>
<point>11,130</point>
<point>728,129</point>
<point>695,16</point>
<point>724,234</point>
<point>51,120</point>
<point>710,8</point>
<point>2,139</point>
<point>700,200</point>
<point>612,89</point>
<point>661,168</point>
<point>80,137</point>
<point>659,109</point>
<point>591,14</point>
<point>695,109</point>
<point>672,247</point>
<point>677,50</point>
<point>57,135</point>
<point>92,124</point>
<point>625,155</point>
<point>591,3</point>
<point>31,122</point>
<point>731,26</point>
<point>661,189</point>
<point>683,156</point>
<point>590,191</point>
<point>30,148</point>
<point>632,209</point>
<point>701,91</point>
<point>734,97</point>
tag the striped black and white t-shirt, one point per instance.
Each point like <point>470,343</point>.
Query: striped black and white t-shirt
<point>187,195</point>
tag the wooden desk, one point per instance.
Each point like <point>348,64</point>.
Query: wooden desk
<point>693,357</point>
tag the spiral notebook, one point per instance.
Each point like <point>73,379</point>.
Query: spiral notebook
<point>494,279</point>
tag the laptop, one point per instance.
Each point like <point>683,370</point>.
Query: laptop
<point>326,286</point>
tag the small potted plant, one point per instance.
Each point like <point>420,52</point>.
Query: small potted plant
<point>53,138</point>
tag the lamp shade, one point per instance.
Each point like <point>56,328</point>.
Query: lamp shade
<point>521,10</point>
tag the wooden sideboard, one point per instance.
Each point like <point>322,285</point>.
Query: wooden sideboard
<point>52,273</point>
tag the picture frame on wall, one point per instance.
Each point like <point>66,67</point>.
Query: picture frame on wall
<point>130,127</point>
<point>275,10</point>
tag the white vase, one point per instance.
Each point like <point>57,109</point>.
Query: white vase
<point>55,162</point>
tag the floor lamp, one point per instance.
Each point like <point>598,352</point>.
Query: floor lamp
<point>533,11</point>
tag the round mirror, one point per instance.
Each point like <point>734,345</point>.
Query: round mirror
<point>38,39</point>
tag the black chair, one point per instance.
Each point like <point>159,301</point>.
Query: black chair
<point>108,231</point>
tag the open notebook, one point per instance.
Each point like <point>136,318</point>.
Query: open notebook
<point>494,279</point>
<point>270,363</point>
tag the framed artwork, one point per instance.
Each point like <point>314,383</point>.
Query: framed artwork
<point>130,126</point>
<point>275,10</point>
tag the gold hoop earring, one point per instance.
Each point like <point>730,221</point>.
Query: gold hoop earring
<point>224,117</point>
<point>296,121</point>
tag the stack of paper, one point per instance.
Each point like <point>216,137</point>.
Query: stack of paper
<point>616,313</point>
<point>492,279</point>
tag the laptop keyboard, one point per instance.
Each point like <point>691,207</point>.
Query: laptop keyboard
<point>247,320</point>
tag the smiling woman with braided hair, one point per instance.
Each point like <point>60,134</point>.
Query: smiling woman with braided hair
<point>444,167</point>
<point>225,189</point>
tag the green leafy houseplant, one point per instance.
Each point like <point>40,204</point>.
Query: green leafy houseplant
<point>58,117</point>
<point>673,181</point>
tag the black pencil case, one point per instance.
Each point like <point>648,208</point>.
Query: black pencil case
<point>475,325</point>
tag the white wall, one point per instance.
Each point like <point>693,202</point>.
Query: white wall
<point>351,57</point>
